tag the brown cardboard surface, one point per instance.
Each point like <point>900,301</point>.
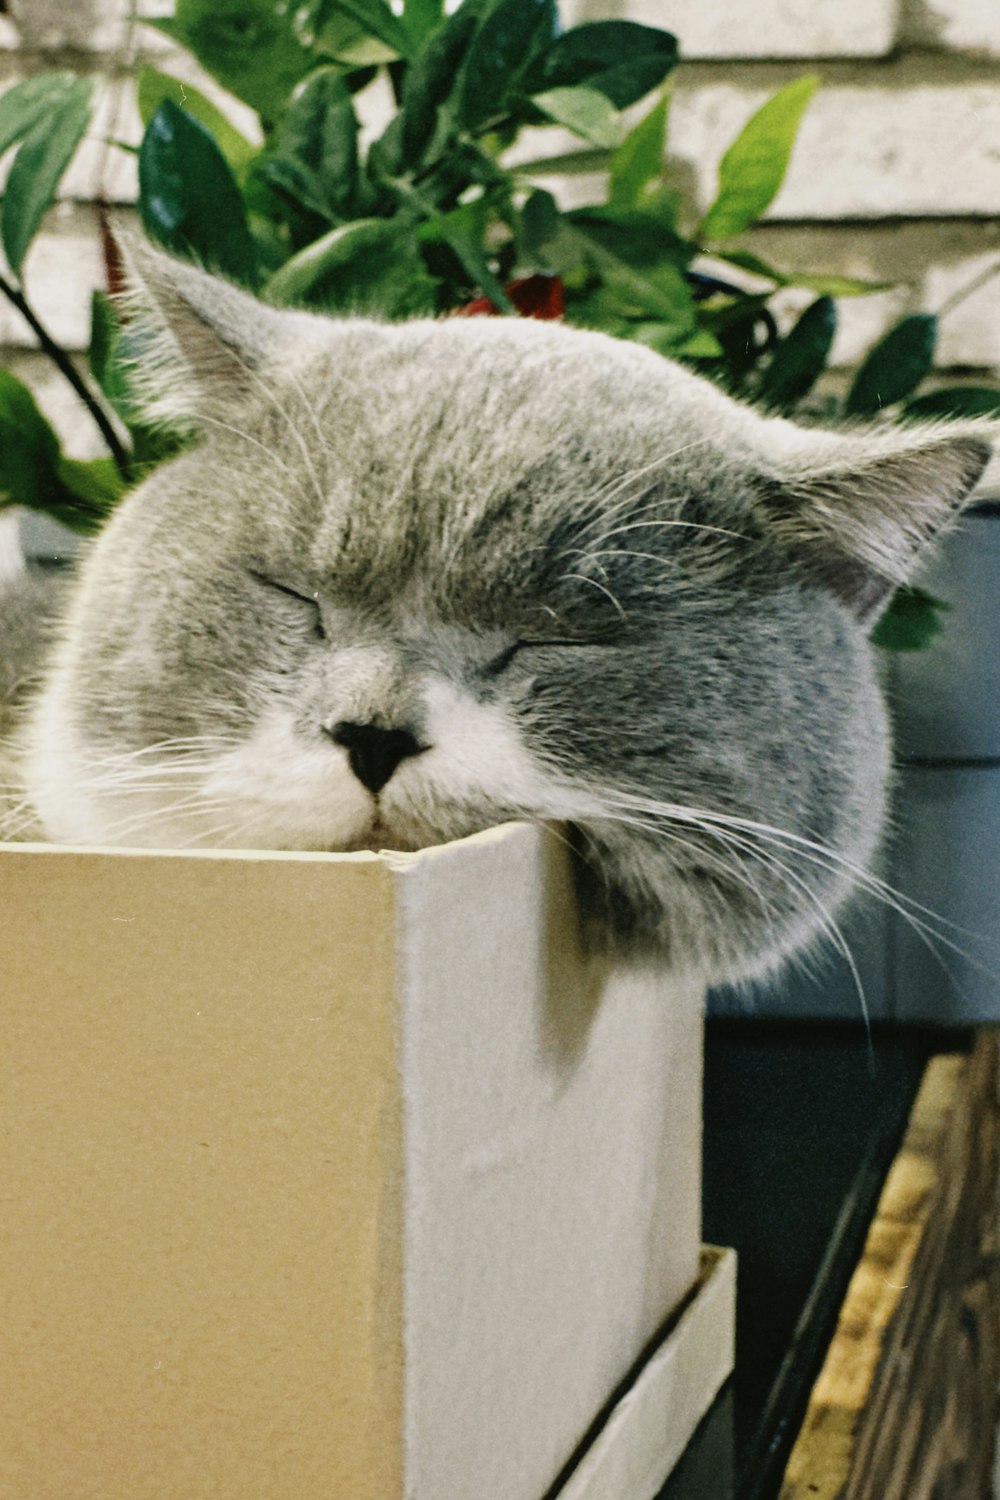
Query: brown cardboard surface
<point>327,1177</point>
<point>199,1240</point>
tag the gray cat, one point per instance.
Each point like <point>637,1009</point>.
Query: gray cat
<point>412,580</point>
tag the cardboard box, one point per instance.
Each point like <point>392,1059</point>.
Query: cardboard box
<point>331,1177</point>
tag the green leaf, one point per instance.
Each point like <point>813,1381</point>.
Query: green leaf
<point>539,223</point>
<point>24,104</point>
<point>835,286</point>
<point>896,365</point>
<point>33,472</point>
<point>800,358</point>
<point>152,87</point>
<point>587,113</point>
<point>319,136</point>
<point>108,359</point>
<point>637,165</point>
<point>463,231</point>
<point>509,35</point>
<point>753,169</point>
<point>654,291</point>
<point>37,169</point>
<point>956,401</point>
<point>351,44</point>
<point>375,19</point>
<point>103,337</point>
<point>701,344</point>
<point>823,285</point>
<point>643,238</point>
<point>912,621</point>
<point>620,59</point>
<point>103,350</point>
<point>748,261</point>
<point>251,47</point>
<point>421,16</point>
<point>674,342</point>
<point>29,449</point>
<point>95,481</point>
<point>188,196</point>
<point>432,77</point>
<point>372,265</point>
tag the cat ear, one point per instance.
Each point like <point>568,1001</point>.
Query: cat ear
<point>861,517</point>
<point>197,340</point>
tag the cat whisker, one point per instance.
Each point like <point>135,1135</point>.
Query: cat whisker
<point>120,830</point>
<point>826,920</point>
<point>851,872</point>
<point>827,924</point>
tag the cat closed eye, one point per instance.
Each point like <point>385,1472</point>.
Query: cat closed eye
<point>503,660</point>
<point>292,593</point>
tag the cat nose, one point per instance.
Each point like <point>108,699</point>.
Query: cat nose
<point>374,753</point>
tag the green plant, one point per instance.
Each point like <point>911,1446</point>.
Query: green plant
<point>431,216</point>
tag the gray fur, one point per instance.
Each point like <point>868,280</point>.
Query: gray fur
<point>30,606</point>
<point>692,584</point>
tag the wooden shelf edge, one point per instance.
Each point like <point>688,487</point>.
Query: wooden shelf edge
<point>906,1397</point>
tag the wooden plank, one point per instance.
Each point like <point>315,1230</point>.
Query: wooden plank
<point>904,1407</point>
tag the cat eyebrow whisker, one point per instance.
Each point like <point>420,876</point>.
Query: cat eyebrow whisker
<point>293,428</point>
<point>739,536</point>
<point>582,578</point>
<point>247,437</point>
<point>665,562</point>
<point>617,488</point>
<point>292,377</point>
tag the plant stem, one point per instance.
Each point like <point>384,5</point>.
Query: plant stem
<point>967,291</point>
<point>66,366</point>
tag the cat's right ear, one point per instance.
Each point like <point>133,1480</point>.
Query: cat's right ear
<point>196,340</point>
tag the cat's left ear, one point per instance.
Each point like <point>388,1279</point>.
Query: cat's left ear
<point>198,339</point>
<point>861,517</point>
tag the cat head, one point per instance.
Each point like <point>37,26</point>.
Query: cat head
<point>412,580</point>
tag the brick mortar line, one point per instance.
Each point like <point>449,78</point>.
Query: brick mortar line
<point>913,67</point>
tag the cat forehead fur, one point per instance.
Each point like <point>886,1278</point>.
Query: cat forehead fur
<point>442,420</point>
<point>375,409</point>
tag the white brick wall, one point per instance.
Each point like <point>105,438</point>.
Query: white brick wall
<point>971,26</point>
<point>95,26</point>
<point>760,28</point>
<point>896,175</point>
<point>743,29</point>
<point>929,261</point>
<point>898,142</point>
